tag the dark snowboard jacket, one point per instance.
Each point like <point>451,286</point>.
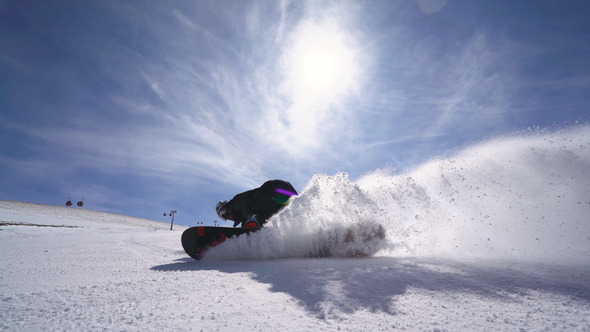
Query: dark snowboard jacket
<point>263,201</point>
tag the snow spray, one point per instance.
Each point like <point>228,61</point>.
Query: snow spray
<point>524,197</point>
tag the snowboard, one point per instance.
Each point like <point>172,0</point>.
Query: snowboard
<point>362,239</point>
<point>197,240</point>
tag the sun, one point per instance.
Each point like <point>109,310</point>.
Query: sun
<point>321,63</point>
<point>319,68</point>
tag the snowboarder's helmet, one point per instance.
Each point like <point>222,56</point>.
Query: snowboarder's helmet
<point>221,209</point>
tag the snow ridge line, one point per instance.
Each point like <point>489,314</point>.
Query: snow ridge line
<point>15,223</point>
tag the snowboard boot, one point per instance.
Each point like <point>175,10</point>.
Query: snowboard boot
<point>251,222</point>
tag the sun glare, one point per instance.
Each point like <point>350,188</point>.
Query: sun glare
<point>318,69</point>
<point>321,63</point>
<point>321,69</point>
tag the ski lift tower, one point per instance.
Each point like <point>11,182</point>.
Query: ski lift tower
<point>172,213</point>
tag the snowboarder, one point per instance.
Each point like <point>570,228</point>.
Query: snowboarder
<point>253,207</point>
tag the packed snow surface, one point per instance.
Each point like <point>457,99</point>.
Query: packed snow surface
<point>496,238</point>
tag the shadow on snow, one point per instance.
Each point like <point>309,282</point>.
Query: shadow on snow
<point>373,284</point>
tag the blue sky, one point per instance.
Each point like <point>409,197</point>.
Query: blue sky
<point>142,107</point>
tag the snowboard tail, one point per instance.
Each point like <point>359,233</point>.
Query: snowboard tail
<point>197,240</point>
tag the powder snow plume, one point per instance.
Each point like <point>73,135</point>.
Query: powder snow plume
<point>525,197</point>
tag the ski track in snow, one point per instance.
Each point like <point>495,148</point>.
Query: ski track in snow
<point>496,238</point>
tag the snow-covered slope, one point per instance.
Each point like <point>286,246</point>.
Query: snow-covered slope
<point>495,238</point>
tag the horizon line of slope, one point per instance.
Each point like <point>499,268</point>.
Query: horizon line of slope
<point>19,208</point>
